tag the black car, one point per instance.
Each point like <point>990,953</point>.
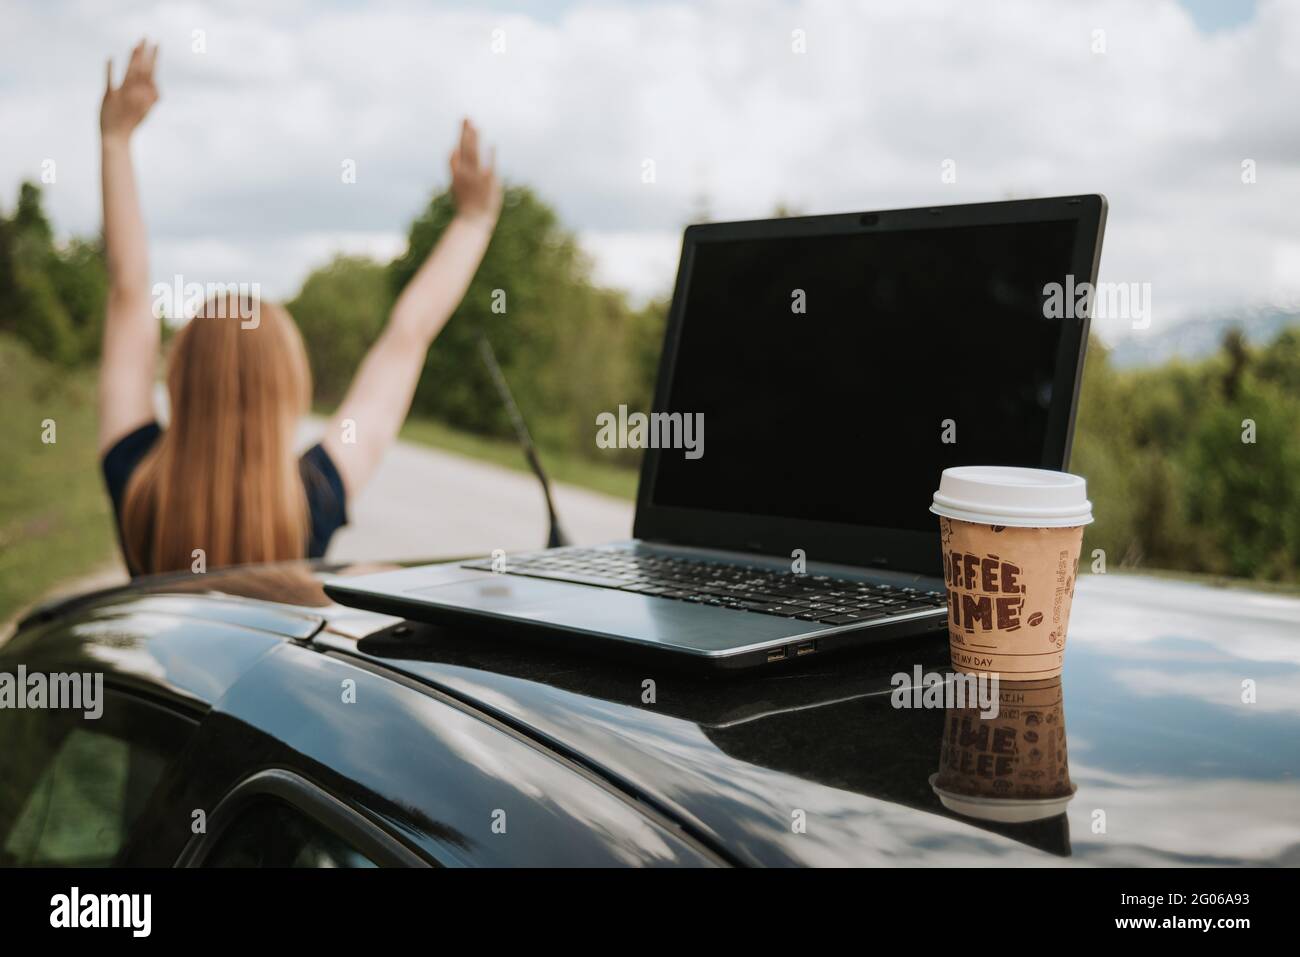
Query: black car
<point>249,721</point>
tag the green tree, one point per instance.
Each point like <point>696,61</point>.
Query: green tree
<point>50,297</point>
<point>340,309</point>
<point>565,345</point>
<point>1279,364</point>
<point>80,278</point>
<point>1172,481</point>
<point>1242,467</point>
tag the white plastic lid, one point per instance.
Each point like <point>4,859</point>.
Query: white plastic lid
<point>1002,810</point>
<point>1003,495</point>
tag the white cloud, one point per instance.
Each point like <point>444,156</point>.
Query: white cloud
<point>635,260</point>
<point>1121,614</point>
<point>1221,688</point>
<point>213,260</point>
<point>240,165</point>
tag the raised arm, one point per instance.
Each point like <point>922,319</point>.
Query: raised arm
<point>131,331</point>
<point>380,395</point>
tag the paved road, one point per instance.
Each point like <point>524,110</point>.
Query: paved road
<point>425,503</point>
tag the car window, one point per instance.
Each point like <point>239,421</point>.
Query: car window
<point>73,788</point>
<point>271,833</point>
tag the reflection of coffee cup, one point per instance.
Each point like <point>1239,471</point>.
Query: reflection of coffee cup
<point>1011,768</point>
<point>1011,539</point>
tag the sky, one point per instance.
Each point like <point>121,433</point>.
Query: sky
<point>820,106</point>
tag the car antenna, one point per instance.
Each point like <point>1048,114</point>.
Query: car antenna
<point>555,537</point>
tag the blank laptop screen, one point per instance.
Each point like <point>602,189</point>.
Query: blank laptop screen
<point>915,350</point>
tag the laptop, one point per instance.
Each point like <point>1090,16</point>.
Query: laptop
<point>818,374</point>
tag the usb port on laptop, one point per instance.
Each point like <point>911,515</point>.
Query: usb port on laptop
<point>805,648</point>
<point>776,654</point>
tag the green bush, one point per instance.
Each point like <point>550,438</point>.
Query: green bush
<point>1173,483</point>
<point>1245,495</point>
<point>341,309</point>
<point>51,297</point>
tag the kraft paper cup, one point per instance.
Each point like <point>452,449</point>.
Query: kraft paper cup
<point>1011,768</point>
<point>1010,540</point>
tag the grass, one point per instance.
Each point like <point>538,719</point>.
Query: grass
<point>616,480</point>
<point>54,513</point>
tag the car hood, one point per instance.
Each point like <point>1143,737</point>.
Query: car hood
<point>1179,713</point>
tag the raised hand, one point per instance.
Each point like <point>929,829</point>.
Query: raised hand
<point>126,106</point>
<point>474,186</point>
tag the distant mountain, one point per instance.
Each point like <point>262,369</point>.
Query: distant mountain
<point>1198,338</point>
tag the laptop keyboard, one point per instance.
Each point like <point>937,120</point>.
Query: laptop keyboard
<point>820,598</point>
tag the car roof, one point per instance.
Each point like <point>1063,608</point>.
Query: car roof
<point>1160,737</point>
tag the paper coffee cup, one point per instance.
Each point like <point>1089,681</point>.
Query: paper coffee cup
<point>1010,539</point>
<point>1010,768</point>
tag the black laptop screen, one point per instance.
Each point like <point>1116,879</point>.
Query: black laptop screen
<point>839,413</point>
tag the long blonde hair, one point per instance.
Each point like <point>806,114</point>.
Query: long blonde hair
<point>223,476</point>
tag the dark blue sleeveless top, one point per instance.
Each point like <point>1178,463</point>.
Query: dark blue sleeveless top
<point>326,501</point>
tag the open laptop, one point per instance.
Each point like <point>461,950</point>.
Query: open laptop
<point>837,364</point>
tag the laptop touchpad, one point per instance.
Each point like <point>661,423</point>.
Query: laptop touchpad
<point>509,593</point>
<point>697,628</point>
